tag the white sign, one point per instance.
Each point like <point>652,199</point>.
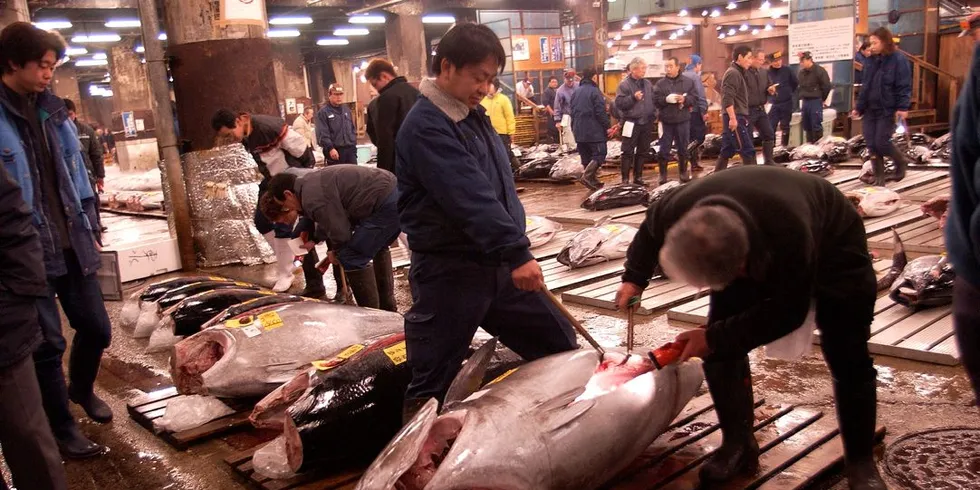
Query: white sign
<point>520,49</point>
<point>826,40</point>
<point>140,125</point>
<point>249,12</point>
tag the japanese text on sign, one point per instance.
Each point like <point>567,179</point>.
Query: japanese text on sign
<point>826,40</point>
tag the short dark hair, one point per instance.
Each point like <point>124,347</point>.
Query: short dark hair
<point>223,118</point>
<point>589,72</point>
<point>22,43</point>
<point>675,60</point>
<point>741,51</point>
<point>271,208</point>
<point>279,184</point>
<point>552,78</point>
<point>469,44</point>
<point>69,105</point>
<point>377,67</point>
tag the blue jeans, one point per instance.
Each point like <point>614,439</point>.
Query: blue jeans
<point>739,141</point>
<point>452,297</point>
<point>812,114</point>
<point>81,298</point>
<point>371,235</point>
<point>878,127</point>
<point>675,133</point>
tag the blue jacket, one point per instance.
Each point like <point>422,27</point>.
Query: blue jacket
<point>335,127</point>
<point>887,83</point>
<point>637,111</point>
<point>563,97</point>
<point>787,84</point>
<point>963,222</point>
<point>702,105</point>
<point>860,58</point>
<point>590,121</point>
<point>18,158</point>
<point>457,193</point>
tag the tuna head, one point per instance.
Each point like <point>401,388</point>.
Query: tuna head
<point>927,281</point>
<point>597,244</point>
<point>540,230</point>
<point>874,201</point>
<point>616,196</point>
<point>564,421</point>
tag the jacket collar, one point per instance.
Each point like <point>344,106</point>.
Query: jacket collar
<point>452,107</point>
<point>48,105</point>
<point>392,83</point>
<point>759,258</point>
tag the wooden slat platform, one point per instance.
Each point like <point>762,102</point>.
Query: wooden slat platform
<point>558,276</point>
<point>146,409</point>
<point>799,446</point>
<point>545,180</point>
<point>919,236</point>
<point>932,165</point>
<point>581,216</point>
<point>906,213</point>
<point>660,294</point>
<point>402,257</point>
<point>913,178</point>
<point>924,193</point>
<point>841,176</point>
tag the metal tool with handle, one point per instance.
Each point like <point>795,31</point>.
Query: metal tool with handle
<point>630,331</point>
<point>575,323</point>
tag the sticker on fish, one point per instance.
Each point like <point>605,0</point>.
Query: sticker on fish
<point>398,353</point>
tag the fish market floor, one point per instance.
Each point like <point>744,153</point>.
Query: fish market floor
<point>912,396</point>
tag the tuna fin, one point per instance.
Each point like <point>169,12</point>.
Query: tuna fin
<point>470,377</point>
<point>402,452</point>
<point>562,410</point>
<point>899,261</point>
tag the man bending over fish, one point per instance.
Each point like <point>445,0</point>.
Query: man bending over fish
<point>471,261</point>
<point>354,206</point>
<point>764,269</point>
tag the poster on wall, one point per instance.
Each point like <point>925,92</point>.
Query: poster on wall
<point>290,106</point>
<point>826,40</point>
<point>247,12</point>
<point>520,49</point>
<point>545,52</point>
<point>129,124</point>
<point>557,54</point>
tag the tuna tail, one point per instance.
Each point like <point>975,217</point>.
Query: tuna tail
<point>470,377</point>
<point>402,452</point>
<point>899,261</point>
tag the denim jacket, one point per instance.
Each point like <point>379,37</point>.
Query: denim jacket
<point>17,156</point>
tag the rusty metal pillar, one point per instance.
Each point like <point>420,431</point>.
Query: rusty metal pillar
<point>132,119</point>
<point>405,41</point>
<point>14,11</point>
<point>65,85</point>
<point>287,61</point>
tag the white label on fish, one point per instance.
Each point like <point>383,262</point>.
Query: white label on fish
<point>251,331</point>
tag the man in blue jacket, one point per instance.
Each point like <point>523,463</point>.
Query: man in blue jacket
<point>674,96</point>
<point>471,262</point>
<point>634,98</point>
<point>335,130</point>
<point>35,140</point>
<point>699,111</point>
<point>782,87</point>
<point>590,123</point>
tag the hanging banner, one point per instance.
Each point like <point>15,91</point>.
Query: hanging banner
<point>826,40</point>
<point>557,53</point>
<point>247,12</point>
<point>545,52</point>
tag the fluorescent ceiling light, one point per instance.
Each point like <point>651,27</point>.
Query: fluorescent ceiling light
<point>673,36</point>
<point>351,31</point>
<point>653,32</point>
<point>721,36</point>
<point>744,27</point>
<point>755,32</point>
<point>291,20</point>
<point>75,51</point>
<point>109,37</point>
<point>689,27</point>
<point>618,36</point>
<point>646,37</point>
<point>91,63</point>
<point>366,19</point>
<point>50,25</point>
<point>716,13</point>
<point>768,27</point>
<point>731,32</point>
<point>731,6</point>
<point>140,48</point>
<point>162,36</point>
<point>438,19</point>
<point>634,20</point>
<point>332,41</point>
<point>660,43</point>
<point>766,5</point>
<point>608,44</point>
<point>683,13</point>
<point>704,13</point>
<point>283,33</point>
<point>99,56</point>
<point>121,23</point>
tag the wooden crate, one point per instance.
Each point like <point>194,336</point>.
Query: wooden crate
<point>660,294</point>
<point>581,216</point>
<point>146,409</point>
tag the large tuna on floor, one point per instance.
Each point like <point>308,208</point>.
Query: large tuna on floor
<point>662,190</point>
<point>871,202</point>
<point>151,313</point>
<point>252,304</point>
<point>189,315</point>
<point>820,168</point>
<point>253,354</point>
<point>601,243</point>
<point>539,168</point>
<point>926,281</point>
<point>616,196</point>
<point>132,306</point>
<point>567,421</point>
<point>540,230</point>
<point>568,167</point>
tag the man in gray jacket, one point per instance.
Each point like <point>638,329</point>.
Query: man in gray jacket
<point>635,99</point>
<point>735,111</point>
<point>757,82</point>
<point>355,208</point>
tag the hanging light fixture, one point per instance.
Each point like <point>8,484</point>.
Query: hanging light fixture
<point>704,13</point>
<point>673,36</point>
<point>731,32</point>
<point>659,43</point>
<point>766,5</point>
<point>768,27</point>
<point>755,32</point>
<point>609,44</point>
<point>744,27</point>
<point>721,36</point>
<point>715,13</point>
<point>683,13</point>
<point>618,36</point>
<point>731,6</point>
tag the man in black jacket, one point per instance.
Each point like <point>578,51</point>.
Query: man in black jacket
<point>764,270</point>
<point>30,448</point>
<point>548,101</point>
<point>634,98</point>
<point>757,83</point>
<point>590,123</point>
<point>736,138</point>
<point>386,112</point>
<point>674,96</point>
<point>814,87</point>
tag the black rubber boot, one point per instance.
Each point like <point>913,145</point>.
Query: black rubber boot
<point>685,174</point>
<point>589,179</point>
<point>662,164</point>
<point>314,278</point>
<point>73,445</point>
<point>694,153</point>
<point>856,416</point>
<point>384,277</point>
<point>901,164</point>
<point>730,385</point>
<point>817,134</point>
<point>365,287</point>
<point>638,170</point>
<point>767,148</point>
<point>784,139</point>
<point>83,367</point>
<point>878,164</point>
<point>625,165</point>
<point>721,164</point>
<point>339,297</point>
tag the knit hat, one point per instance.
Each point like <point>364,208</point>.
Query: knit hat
<point>695,59</point>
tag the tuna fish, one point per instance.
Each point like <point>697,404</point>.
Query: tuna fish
<point>253,354</point>
<point>874,201</point>
<point>568,167</point>
<point>807,151</point>
<point>661,191</point>
<point>566,421</point>
<point>541,230</point>
<point>252,304</point>
<point>131,308</point>
<point>600,243</point>
<point>537,169</point>
<point>781,154</point>
<point>152,313</point>
<point>189,315</point>
<point>926,281</point>
<point>357,397</point>
<point>899,261</point>
<point>616,196</point>
<point>819,168</point>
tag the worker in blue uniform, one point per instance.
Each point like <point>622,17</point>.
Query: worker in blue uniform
<point>783,85</point>
<point>814,87</point>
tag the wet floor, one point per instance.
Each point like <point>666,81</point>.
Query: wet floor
<point>912,396</point>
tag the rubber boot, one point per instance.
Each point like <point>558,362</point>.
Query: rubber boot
<point>625,165</point>
<point>662,163</point>
<point>314,278</point>
<point>589,179</point>
<point>284,261</point>
<point>685,174</point>
<point>721,164</point>
<point>818,134</point>
<point>365,287</point>
<point>901,164</point>
<point>767,148</point>
<point>83,367</point>
<point>784,139</point>
<point>384,276</point>
<point>638,170</point>
<point>878,164</point>
<point>694,153</point>
<point>730,385</point>
<point>856,416</point>
<point>73,445</point>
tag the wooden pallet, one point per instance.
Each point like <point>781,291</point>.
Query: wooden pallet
<point>584,217</point>
<point>545,180</point>
<point>660,294</point>
<point>906,213</point>
<point>924,193</point>
<point>559,276</point>
<point>919,236</point>
<point>799,446</point>
<point>914,178</point>
<point>241,464</point>
<point>932,165</point>
<point>146,409</point>
<point>843,176</point>
<point>402,257</point>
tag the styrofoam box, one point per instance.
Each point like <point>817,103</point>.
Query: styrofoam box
<point>145,259</point>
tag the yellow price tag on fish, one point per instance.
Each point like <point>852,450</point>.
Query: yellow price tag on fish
<point>350,351</point>
<point>243,284</point>
<point>240,322</point>
<point>216,278</point>
<point>267,293</point>
<point>502,376</point>
<point>270,320</point>
<point>397,353</point>
<point>338,359</point>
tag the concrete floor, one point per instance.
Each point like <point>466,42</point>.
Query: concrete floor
<point>912,396</point>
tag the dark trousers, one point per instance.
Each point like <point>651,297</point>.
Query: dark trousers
<point>452,297</point>
<point>81,299</point>
<point>28,446</point>
<point>812,114</point>
<point>966,324</point>
<point>506,140</point>
<point>878,126</point>
<point>592,152</point>
<point>780,116</point>
<point>760,121</point>
<point>312,275</point>
<point>552,131</point>
<point>678,134</point>
<point>639,143</point>
<point>346,154</point>
<point>698,127</point>
<point>738,141</point>
<point>372,235</point>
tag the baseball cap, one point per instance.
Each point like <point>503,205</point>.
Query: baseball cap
<point>335,88</point>
<point>806,55</point>
<point>569,74</point>
<point>969,24</point>
<point>695,59</point>
<point>775,56</point>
